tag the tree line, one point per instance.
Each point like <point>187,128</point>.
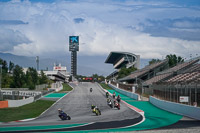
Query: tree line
<point>12,76</point>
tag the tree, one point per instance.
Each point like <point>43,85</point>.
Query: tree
<point>173,60</point>
<point>4,67</point>
<point>154,61</point>
<point>43,78</point>
<point>18,77</point>
<point>11,66</point>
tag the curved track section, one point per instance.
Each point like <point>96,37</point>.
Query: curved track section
<point>77,104</point>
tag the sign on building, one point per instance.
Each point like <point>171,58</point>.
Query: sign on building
<point>73,43</point>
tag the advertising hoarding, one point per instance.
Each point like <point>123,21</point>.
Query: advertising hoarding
<point>184,99</point>
<point>73,43</point>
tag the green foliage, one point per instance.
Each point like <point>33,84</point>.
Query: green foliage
<point>43,78</point>
<point>31,110</point>
<point>66,88</point>
<point>173,60</point>
<point>154,61</point>
<point>125,72</point>
<point>105,86</point>
<point>11,66</point>
<point>100,77</point>
<point>18,79</point>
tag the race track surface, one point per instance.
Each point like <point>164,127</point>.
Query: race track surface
<point>77,104</point>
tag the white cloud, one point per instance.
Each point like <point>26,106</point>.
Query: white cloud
<point>104,28</point>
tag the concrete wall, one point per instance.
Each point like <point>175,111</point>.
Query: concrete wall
<point>182,109</point>
<point>17,103</point>
<point>129,94</point>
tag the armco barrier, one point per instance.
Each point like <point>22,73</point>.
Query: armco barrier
<point>129,94</point>
<point>17,103</point>
<point>185,110</point>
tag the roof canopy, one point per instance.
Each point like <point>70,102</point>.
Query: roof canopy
<point>115,56</point>
<point>120,59</point>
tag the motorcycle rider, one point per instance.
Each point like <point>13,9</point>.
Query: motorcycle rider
<point>63,115</point>
<point>92,106</point>
<point>90,89</point>
<point>114,95</point>
<point>109,102</point>
<point>107,94</point>
<point>116,104</point>
<point>96,108</point>
<point>118,98</point>
<point>60,112</point>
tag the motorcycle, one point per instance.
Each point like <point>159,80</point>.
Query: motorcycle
<point>95,110</point>
<point>64,116</point>
<point>90,89</point>
<point>117,105</point>
<point>109,102</point>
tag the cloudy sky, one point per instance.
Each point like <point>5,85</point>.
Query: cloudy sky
<point>150,28</point>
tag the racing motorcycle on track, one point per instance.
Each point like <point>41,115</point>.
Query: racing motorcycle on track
<point>95,110</point>
<point>63,115</point>
<point>116,105</point>
<point>109,102</point>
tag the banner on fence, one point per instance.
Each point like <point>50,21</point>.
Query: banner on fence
<point>184,99</point>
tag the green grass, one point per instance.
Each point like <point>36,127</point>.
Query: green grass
<point>31,110</point>
<point>105,86</point>
<point>66,88</point>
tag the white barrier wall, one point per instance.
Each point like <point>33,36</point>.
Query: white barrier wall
<point>129,94</point>
<point>17,103</point>
<point>185,110</point>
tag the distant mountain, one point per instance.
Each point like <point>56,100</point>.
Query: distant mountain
<point>87,65</point>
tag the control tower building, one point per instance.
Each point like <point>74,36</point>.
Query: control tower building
<point>73,47</point>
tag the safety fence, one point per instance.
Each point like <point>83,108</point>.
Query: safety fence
<point>181,93</point>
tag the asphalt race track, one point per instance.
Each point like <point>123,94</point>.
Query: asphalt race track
<point>77,104</point>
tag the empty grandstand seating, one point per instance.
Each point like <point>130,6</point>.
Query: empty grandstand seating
<point>157,78</point>
<point>179,67</point>
<point>195,67</point>
<point>186,66</point>
<point>143,71</point>
<point>186,77</point>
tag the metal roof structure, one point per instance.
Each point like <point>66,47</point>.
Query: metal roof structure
<point>121,59</point>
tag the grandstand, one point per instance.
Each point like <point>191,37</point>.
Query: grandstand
<point>59,73</point>
<point>182,80</point>
<point>186,66</point>
<point>122,59</point>
<point>146,73</point>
